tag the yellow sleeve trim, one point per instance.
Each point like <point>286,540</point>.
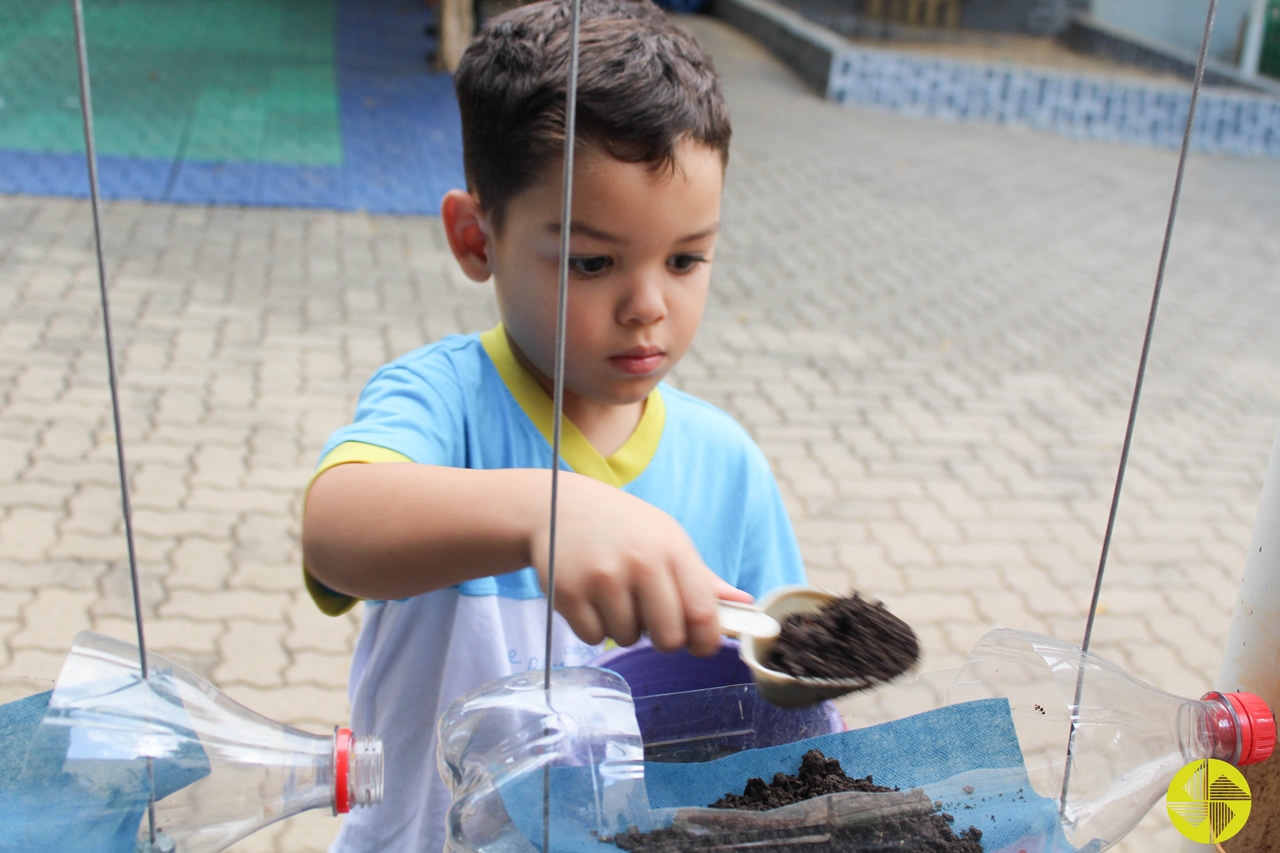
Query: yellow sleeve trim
<point>356,451</point>
<point>330,602</point>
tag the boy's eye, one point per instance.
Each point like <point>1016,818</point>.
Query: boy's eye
<point>591,265</point>
<point>686,263</point>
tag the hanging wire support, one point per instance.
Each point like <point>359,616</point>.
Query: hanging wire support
<point>86,110</point>
<point>1137,386</point>
<point>86,113</point>
<point>557,403</point>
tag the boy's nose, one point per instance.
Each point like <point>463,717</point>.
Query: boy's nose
<point>643,302</point>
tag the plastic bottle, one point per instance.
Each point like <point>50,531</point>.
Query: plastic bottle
<point>107,739</point>
<point>988,740</point>
<point>498,741</point>
<point>1127,739</point>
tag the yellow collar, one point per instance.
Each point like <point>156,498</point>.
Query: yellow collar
<point>627,463</point>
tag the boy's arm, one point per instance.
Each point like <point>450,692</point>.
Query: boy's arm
<point>397,529</point>
<point>394,530</point>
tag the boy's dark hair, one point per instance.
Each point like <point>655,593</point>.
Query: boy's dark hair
<point>644,84</point>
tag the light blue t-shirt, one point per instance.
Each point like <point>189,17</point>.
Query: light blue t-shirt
<point>466,402</point>
<point>448,404</point>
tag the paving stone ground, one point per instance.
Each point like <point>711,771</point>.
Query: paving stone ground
<point>931,328</point>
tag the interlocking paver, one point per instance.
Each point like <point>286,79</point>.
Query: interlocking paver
<point>199,563</point>
<point>267,570</point>
<point>65,442</point>
<point>931,329</point>
<point>311,708</point>
<point>901,542</point>
<point>322,670</point>
<point>14,457</point>
<point>252,653</point>
<point>81,545</point>
<point>46,617</point>
<point>29,533</point>
<point>212,606</point>
<point>43,664</point>
<point>1006,608</point>
<point>181,635</point>
<point>231,499</point>
<point>159,485</point>
<point>312,631</point>
<point>72,474</point>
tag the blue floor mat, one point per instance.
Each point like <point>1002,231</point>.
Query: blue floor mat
<point>399,126</point>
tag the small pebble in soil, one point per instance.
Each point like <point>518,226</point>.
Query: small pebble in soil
<point>851,637</point>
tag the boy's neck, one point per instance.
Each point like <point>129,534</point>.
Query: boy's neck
<point>606,426</point>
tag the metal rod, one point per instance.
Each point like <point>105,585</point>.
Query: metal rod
<point>1137,387</point>
<point>86,110</point>
<point>557,400</point>
<point>557,396</point>
<point>86,113</point>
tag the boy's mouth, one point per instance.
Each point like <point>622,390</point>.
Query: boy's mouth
<point>638,360</point>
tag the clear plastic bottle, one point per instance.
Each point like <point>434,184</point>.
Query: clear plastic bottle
<point>521,760</point>
<point>219,771</point>
<point>498,741</point>
<point>1127,739</point>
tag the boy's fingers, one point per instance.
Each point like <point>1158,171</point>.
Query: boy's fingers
<point>704,636</point>
<point>728,592</point>
<point>583,619</point>
<point>702,622</point>
<point>618,613</point>
<point>662,611</point>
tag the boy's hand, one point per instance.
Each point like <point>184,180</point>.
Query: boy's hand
<point>623,567</point>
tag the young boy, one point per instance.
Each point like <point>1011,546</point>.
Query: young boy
<point>665,504</point>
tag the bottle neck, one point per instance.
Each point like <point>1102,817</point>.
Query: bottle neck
<point>1219,730</point>
<point>357,766</point>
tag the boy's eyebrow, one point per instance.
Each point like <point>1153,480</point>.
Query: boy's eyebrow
<point>587,230</point>
<point>714,228</point>
<point>605,236</point>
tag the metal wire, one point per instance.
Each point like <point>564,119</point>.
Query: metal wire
<point>86,113</point>
<point>557,399</point>
<point>1137,386</point>
<point>557,391</point>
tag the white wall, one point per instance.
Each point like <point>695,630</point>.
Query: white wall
<point>1178,22</point>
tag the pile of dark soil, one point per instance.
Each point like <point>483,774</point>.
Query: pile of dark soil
<point>849,638</point>
<point>818,775</point>
<point>861,817</point>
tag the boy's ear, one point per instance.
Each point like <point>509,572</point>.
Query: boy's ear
<point>467,229</point>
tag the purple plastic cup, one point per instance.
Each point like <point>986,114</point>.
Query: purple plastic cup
<point>698,709</point>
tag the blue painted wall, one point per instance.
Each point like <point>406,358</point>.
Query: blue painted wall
<point>1178,22</point>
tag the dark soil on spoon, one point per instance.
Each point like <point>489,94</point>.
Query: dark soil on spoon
<point>849,638</point>
<point>916,833</point>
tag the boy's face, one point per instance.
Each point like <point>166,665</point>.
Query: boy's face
<point>640,251</point>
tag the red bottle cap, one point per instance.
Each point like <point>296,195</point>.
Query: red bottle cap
<point>342,742</point>
<point>1257,726</point>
